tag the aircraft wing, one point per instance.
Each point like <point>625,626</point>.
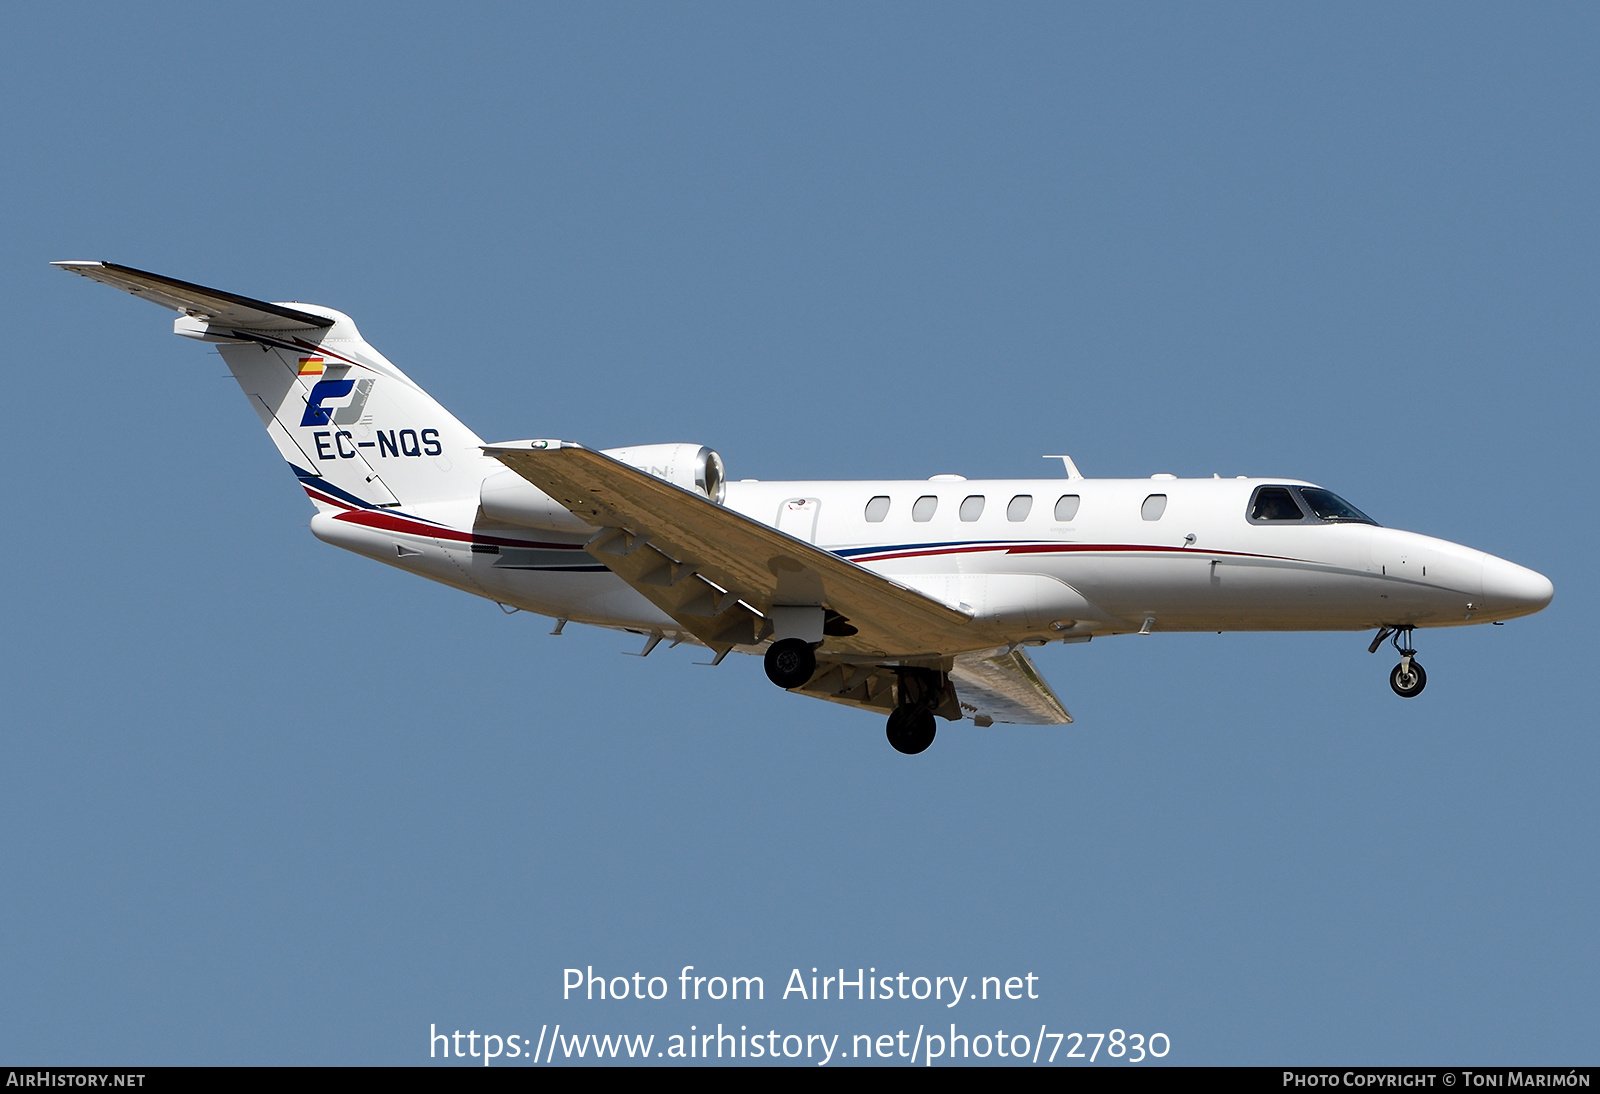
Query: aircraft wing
<point>221,308</point>
<point>718,573</point>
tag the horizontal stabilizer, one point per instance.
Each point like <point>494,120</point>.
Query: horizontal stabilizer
<point>197,301</point>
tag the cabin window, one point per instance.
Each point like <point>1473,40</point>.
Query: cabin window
<point>1274,503</point>
<point>1067,506</point>
<point>972,507</point>
<point>923,510</point>
<point>1153,507</point>
<point>878,508</point>
<point>1020,507</point>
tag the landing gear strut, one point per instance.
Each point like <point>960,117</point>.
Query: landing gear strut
<point>790,662</point>
<point>1407,679</point>
<point>911,727</point>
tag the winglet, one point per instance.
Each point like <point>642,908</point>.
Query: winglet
<point>213,305</point>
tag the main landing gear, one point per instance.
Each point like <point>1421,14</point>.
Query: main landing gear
<point>790,662</point>
<point>911,727</point>
<point>1407,679</point>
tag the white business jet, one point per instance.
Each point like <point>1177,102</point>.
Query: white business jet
<point>917,598</point>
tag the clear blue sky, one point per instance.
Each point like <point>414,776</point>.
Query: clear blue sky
<point>268,802</point>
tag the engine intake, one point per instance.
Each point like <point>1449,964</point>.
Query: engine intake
<point>691,466</point>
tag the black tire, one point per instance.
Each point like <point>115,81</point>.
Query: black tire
<point>911,729</point>
<point>1408,688</point>
<point>790,662</point>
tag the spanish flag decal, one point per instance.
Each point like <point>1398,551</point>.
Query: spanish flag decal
<point>310,366</point>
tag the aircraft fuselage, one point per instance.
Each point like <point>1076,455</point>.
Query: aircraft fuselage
<point>1119,562</point>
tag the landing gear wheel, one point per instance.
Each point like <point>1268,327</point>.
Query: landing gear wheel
<point>790,662</point>
<point>1407,679</point>
<point>911,729</point>
<point>1408,684</point>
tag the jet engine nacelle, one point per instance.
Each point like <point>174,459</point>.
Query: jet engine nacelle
<point>691,466</point>
<point>507,496</point>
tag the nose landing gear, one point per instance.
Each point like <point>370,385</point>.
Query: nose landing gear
<point>1408,679</point>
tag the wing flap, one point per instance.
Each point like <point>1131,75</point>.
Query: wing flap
<point>713,570</point>
<point>867,687</point>
<point>989,687</point>
<point>214,305</point>
<point>1006,687</point>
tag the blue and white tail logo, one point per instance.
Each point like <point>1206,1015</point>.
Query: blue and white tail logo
<point>344,400</point>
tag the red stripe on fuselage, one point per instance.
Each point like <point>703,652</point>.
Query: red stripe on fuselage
<point>318,495</point>
<point>1059,548</point>
<point>398,522</point>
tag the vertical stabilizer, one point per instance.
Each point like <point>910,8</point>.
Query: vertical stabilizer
<point>356,428</point>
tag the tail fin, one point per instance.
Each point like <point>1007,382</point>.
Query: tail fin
<point>357,431</point>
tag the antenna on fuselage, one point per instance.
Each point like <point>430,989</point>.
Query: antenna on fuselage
<point>1072,468</point>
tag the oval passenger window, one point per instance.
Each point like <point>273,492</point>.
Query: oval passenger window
<point>1153,507</point>
<point>923,510</point>
<point>972,508</point>
<point>878,508</point>
<point>1020,507</point>
<point>1067,507</point>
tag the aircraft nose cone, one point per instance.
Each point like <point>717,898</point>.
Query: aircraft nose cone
<point>1507,586</point>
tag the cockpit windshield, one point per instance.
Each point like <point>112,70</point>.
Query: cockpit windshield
<point>1302,505</point>
<point>1275,503</point>
<point>1331,507</point>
